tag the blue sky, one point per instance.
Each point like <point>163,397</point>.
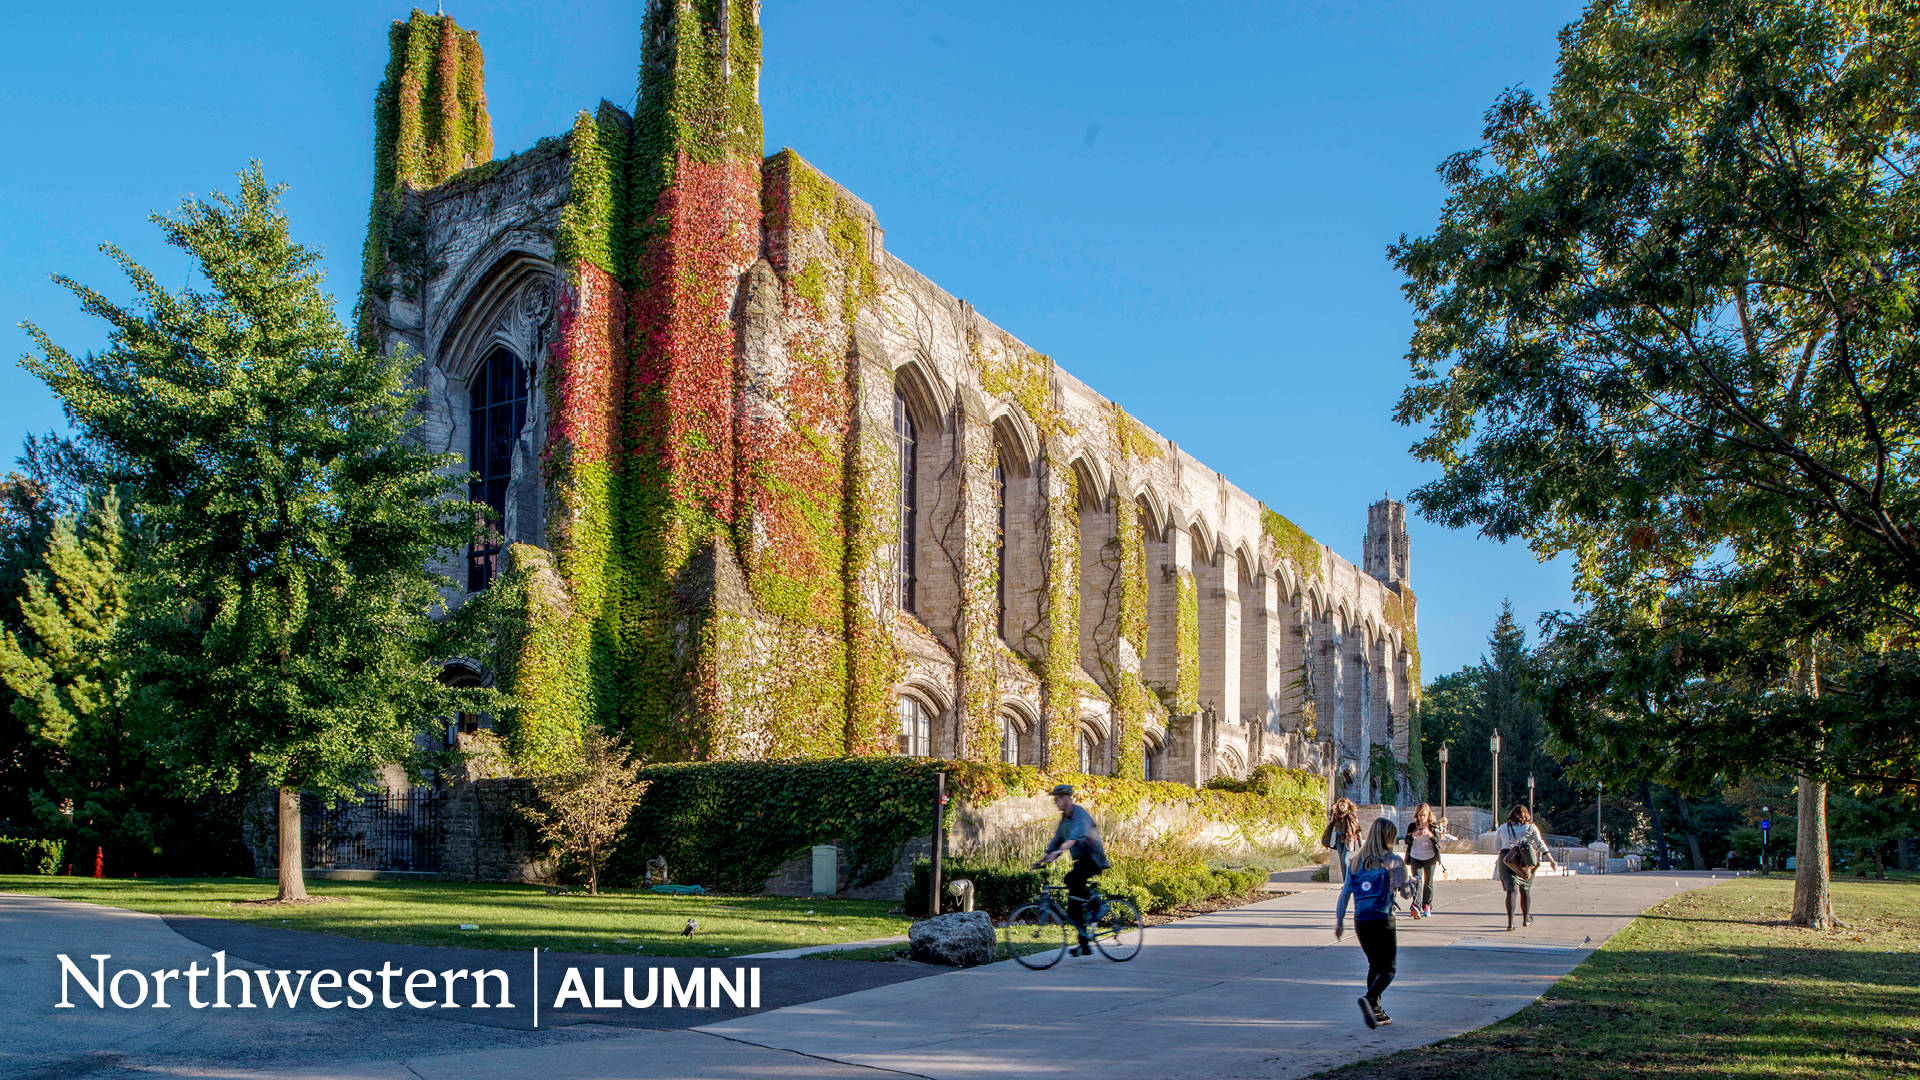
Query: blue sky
<point>1187,206</point>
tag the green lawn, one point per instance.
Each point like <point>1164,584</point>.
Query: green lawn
<point>1713,983</point>
<point>507,916</point>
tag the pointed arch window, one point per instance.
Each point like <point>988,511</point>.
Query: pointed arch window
<point>1000,547</point>
<point>496,411</point>
<point>1009,739</point>
<point>903,430</point>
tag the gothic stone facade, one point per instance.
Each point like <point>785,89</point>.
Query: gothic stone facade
<point>768,491</point>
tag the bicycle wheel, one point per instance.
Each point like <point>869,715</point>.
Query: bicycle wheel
<point>1119,932</point>
<point>1035,936</point>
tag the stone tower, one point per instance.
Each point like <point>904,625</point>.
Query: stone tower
<point>1385,554</point>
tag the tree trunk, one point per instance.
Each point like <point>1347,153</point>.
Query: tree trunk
<point>1812,886</point>
<point>1693,838</point>
<point>1659,831</point>
<point>293,884</point>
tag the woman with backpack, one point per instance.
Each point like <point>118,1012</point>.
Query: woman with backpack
<point>1341,835</point>
<point>1521,848</point>
<point>1423,860</point>
<point>1375,880</point>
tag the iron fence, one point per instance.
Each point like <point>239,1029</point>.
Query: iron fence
<point>382,830</point>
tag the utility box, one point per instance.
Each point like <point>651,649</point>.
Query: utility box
<point>826,870</point>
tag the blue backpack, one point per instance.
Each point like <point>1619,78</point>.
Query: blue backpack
<point>1372,894</point>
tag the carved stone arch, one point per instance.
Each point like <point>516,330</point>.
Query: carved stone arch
<point>1289,584</point>
<point>1026,730</point>
<point>1344,610</point>
<point>499,267</point>
<point>1154,751</point>
<point>1022,713</point>
<point>1317,605</point>
<point>501,303</point>
<point>1094,487</point>
<point>1205,544</point>
<point>1015,439</point>
<point>937,704</point>
<point>465,671</point>
<point>511,307</point>
<point>1376,630</point>
<point>1249,566</point>
<point>934,694</point>
<point>927,400</point>
<point>1157,516</point>
<point>1232,764</point>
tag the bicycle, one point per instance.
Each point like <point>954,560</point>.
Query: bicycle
<point>1037,932</point>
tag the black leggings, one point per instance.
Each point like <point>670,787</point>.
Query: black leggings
<point>1078,880</point>
<point>1423,871</point>
<point>1381,942</point>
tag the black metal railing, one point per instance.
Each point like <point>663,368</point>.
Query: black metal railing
<point>382,830</point>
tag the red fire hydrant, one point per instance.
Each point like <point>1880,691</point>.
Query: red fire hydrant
<point>99,862</point>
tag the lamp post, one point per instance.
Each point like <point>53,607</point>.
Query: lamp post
<point>1599,792</point>
<point>1494,745</point>
<point>1766,823</point>
<point>1443,781</point>
<point>1529,794</point>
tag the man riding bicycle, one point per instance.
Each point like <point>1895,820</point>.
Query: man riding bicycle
<point>1079,838</point>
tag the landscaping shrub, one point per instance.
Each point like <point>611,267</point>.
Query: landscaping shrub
<point>1157,886</point>
<point>31,855</point>
<point>731,824</point>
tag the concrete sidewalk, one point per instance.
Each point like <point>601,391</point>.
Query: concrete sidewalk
<point>1256,991</point>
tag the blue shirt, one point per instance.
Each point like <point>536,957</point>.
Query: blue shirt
<point>1077,825</point>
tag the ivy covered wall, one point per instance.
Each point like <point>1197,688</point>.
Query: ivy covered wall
<point>429,122</point>
<point>720,467</point>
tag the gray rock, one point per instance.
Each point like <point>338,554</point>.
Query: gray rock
<point>962,939</point>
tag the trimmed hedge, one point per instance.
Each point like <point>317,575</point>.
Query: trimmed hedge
<point>731,824</point>
<point>1158,887</point>
<point>25,855</point>
<point>997,887</point>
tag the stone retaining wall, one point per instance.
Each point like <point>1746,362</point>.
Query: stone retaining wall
<point>488,837</point>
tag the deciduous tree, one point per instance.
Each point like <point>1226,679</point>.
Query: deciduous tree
<point>587,805</point>
<point>283,507</point>
<point>1666,324</point>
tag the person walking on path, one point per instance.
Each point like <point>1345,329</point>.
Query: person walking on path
<point>1341,836</point>
<point>1375,880</point>
<point>1423,859</point>
<point>1079,838</point>
<point>1521,849</point>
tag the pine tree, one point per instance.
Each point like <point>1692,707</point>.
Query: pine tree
<point>285,512</point>
<point>66,671</point>
<point>69,684</point>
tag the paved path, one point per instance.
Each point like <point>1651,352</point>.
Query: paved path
<point>1258,991</point>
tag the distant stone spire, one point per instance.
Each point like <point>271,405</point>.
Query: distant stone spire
<point>1385,553</point>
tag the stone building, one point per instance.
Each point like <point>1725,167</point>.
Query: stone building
<point>768,491</point>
